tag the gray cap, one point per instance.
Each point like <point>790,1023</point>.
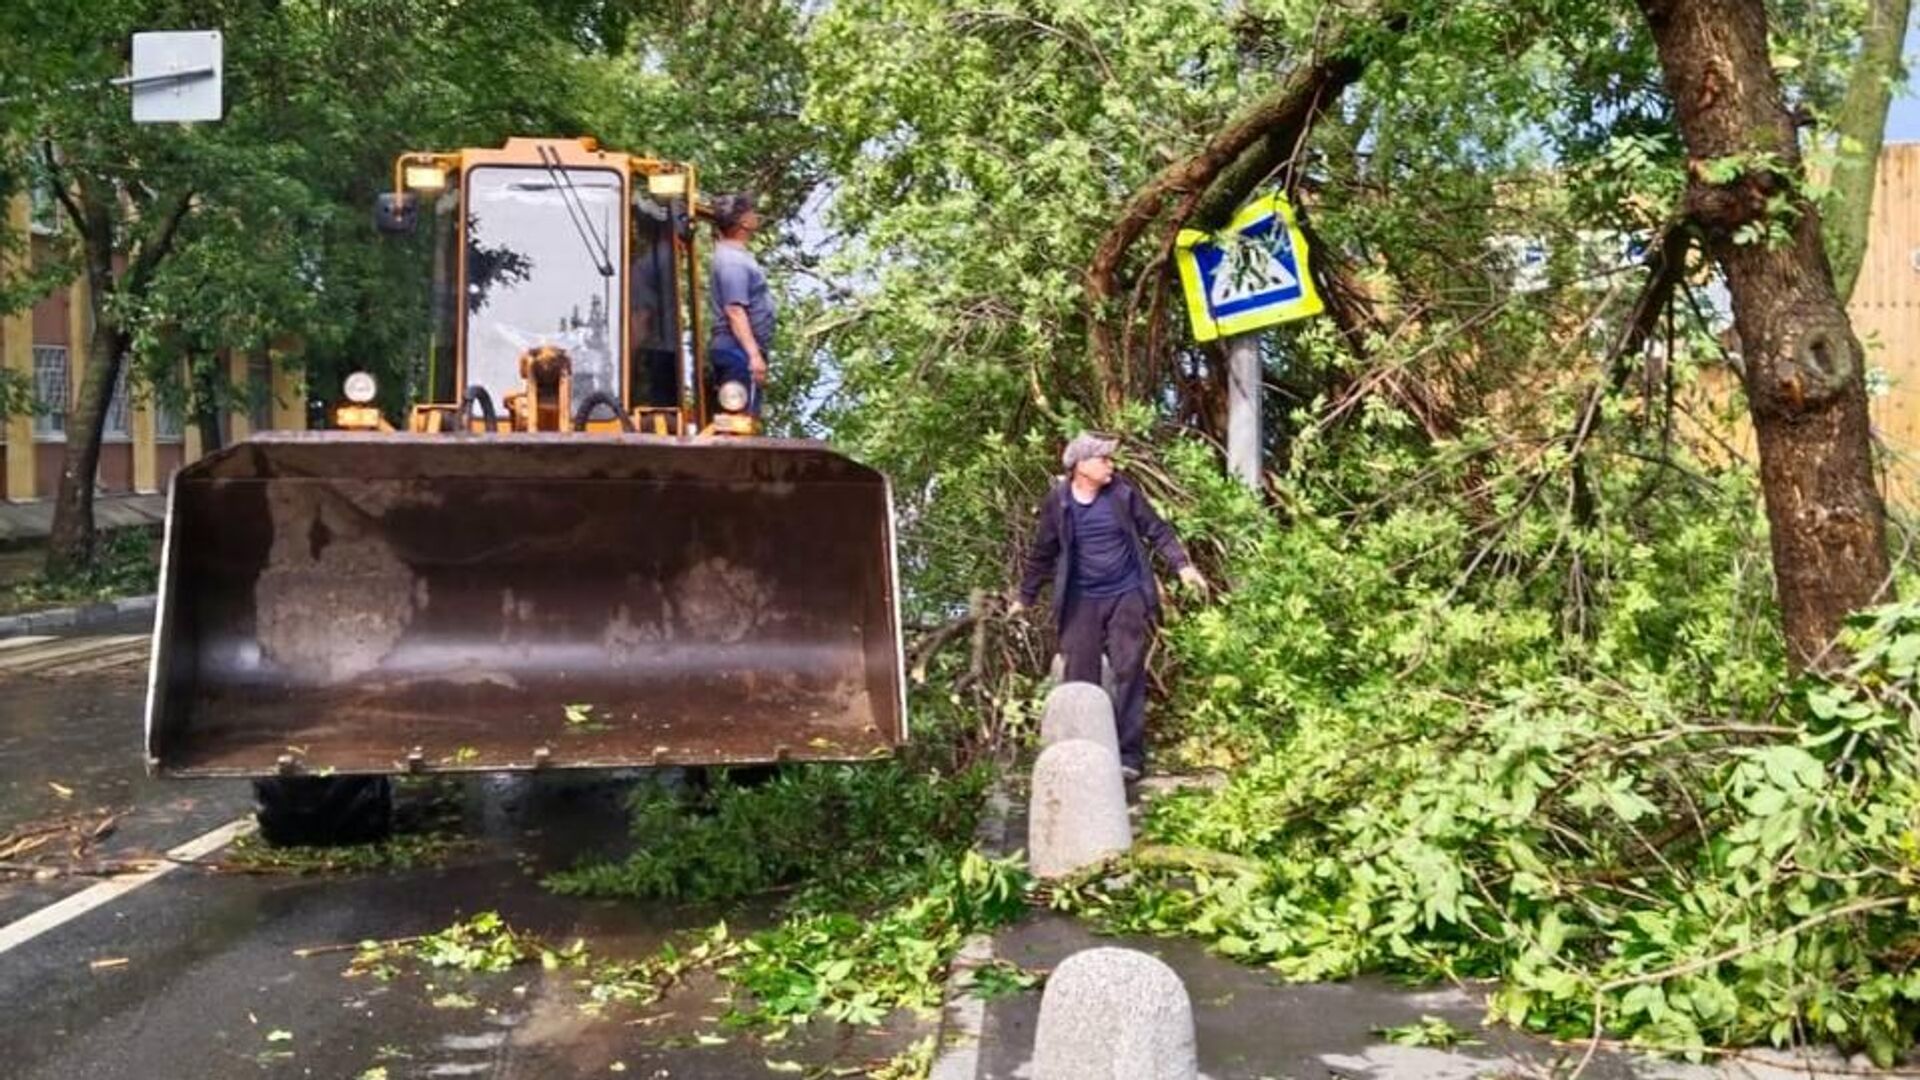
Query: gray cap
<point>729,209</point>
<point>1088,444</point>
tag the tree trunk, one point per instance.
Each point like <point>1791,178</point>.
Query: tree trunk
<point>1802,363</point>
<point>70,539</point>
<point>206,399</point>
<point>1861,127</point>
<point>70,543</point>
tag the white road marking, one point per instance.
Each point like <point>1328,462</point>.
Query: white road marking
<point>57,914</point>
<point>74,655</point>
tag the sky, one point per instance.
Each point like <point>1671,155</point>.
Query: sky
<point>1903,116</point>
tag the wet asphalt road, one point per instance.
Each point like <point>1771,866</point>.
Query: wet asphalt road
<point>195,974</point>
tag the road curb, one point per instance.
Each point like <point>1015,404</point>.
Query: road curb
<point>963,1017</point>
<point>84,617</point>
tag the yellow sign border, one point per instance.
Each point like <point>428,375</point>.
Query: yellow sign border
<point>1205,326</point>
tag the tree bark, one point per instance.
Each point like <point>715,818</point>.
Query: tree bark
<point>91,204</point>
<point>1862,124</point>
<point>70,539</point>
<point>205,400</point>
<point>1802,363</point>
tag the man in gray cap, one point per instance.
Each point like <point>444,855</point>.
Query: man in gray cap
<point>1092,542</point>
<point>743,315</point>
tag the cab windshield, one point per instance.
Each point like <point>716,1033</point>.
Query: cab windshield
<point>544,267</point>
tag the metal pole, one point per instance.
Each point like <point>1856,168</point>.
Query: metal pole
<point>1243,408</point>
<point>133,82</point>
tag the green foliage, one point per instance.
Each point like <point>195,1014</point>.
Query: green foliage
<point>1000,979</point>
<point>844,966</point>
<point>1631,818</point>
<point>483,944</point>
<point>1427,1031</point>
<point>882,887</point>
<point>405,850</point>
<point>842,833</point>
<point>913,1063</point>
<point>125,564</point>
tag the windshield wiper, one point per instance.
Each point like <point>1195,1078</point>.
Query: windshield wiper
<point>596,244</point>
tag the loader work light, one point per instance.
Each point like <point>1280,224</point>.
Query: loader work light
<point>733,395</point>
<point>360,388</point>
<point>426,178</point>
<point>667,185</point>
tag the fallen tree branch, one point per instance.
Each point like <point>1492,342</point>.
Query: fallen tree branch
<point>1858,907</point>
<point>1279,119</point>
<point>934,640</point>
<point>356,946</point>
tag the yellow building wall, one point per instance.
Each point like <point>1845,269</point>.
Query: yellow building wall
<point>16,355</point>
<point>26,457</point>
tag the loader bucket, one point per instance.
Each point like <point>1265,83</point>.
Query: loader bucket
<point>371,603</point>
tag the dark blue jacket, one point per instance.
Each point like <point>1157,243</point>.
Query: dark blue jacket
<point>1051,553</point>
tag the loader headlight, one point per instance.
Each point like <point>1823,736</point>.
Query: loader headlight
<point>425,178</point>
<point>733,396</point>
<point>360,388</point>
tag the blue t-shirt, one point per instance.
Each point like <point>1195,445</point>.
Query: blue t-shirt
<point>1104,562</point>
<point>738,279</point>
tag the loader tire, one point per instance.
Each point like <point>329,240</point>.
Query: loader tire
<point>307,811</point>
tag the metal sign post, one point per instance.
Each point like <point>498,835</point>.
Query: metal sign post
<point>1243,408</point>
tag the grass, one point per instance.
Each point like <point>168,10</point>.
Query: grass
<point>124,564</point>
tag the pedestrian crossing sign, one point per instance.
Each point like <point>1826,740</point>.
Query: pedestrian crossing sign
<point>1250,275</point>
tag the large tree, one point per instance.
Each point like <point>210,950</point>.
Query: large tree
<point>1802,366</point>
<point>253,232</point>
<point>1024,229</point>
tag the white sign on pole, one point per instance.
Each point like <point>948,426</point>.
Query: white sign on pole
<point>177,76</point>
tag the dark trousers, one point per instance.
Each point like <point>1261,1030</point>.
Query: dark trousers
<point>732,365</point>
<point>1119,627</point>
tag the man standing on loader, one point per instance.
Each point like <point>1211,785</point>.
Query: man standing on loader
<point>1091,542</point>
<point>743,314</point>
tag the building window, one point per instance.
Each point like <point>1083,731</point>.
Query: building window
<point>119,415</point>
<point>44,210</point>
<point>50,391</point>
<point>168,425</point>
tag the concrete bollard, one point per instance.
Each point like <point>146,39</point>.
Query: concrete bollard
<point>1114,1014</point>
<point>1079,710</point>
<point>1078,814</point>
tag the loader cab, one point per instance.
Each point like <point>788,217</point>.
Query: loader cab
<point>562,271</point>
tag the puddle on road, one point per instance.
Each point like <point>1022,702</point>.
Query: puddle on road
<point>84,736</point>
<point>75,746</point>
<point>215,951</point>
<point>539,1024</point>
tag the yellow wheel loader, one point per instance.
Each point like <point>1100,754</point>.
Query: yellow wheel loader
<point>578,554</point>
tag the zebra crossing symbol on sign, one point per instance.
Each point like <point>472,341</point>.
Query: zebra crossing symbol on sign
<point>1252,274</point>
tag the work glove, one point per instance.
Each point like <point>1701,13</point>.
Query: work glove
<point>1193,579</point>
